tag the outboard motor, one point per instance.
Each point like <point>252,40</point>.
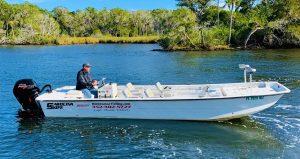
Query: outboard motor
<point>26,91</point>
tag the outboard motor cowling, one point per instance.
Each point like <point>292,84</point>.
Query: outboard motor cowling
<point>26,91</point>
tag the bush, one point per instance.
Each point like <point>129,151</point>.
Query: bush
<point>184,33</point>
<point>216,36</point>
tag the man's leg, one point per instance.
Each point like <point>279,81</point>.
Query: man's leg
<point>94,92</point>
<point>87,93</point>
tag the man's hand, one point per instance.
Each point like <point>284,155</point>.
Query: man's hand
<point>94,83</point>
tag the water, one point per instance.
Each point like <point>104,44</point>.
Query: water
<point>273,133</point>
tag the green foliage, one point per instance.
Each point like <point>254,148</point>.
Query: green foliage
<point>119,22</point>
<point>245,6</point>
<point>217,35</point>
<point>197,6</point>
<point>161,20</point>
<point>196,24</point>
<point>183,32</point>
<point>263,23</point>
<point>141,23</point>
<point>26,24</point>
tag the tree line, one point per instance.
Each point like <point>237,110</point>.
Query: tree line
<point>238,23</point>
<point>196,24</point>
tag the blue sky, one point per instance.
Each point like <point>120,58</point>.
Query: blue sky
<point>99,4</point>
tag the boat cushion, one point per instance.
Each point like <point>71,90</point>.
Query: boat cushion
<point>223,91</point>
<point>261,85</point>
<point>149,93</point>
<point>127,93</point>
<point>159,86</point>
<point>130,86</point>
<point>74,94</point>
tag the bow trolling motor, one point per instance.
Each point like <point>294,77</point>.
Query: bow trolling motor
<point>247,69</point>
<point>26,91</point>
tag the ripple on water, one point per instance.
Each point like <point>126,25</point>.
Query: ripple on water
<point>273,133</point>
<point>284,121</point>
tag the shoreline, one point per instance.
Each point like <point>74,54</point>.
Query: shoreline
<point>229,48</point>
<point>63,41</point>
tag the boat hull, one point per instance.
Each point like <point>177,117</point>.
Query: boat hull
<point>173,109</point>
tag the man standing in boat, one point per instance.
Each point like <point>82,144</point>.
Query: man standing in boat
<point>84,80</point>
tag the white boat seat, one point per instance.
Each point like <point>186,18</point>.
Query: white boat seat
<point>159,86</point>
<point>130,86</point>
<point>133,89</point>
<point>150,94</point>
<point>74,94</point>
<point>165,92</point>
<point>128,94</point>
<point>223,91</point>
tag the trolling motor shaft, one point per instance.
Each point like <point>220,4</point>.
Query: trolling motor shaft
<point>247,69</point>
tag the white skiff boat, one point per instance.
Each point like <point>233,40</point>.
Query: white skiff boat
<point>204,102</point>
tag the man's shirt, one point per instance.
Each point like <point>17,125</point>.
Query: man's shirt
<point>84,80</point>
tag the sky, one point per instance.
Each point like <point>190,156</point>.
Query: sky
<point>99,4</point>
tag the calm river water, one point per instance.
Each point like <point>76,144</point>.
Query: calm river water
<point>273,133</point>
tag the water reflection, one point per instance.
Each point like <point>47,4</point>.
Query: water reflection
<point>286,55</point>
<point>103,137</point>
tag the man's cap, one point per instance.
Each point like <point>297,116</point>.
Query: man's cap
<point>86,65</point>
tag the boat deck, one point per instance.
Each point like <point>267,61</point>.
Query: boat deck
<point>166,92</point>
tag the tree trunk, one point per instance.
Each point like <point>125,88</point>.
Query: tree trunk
<point>187,37</point>
<point>146,29</point>
<point>6,30</point>
<point>278,39</point>
<point>218,20</point>
<point>230,26</point>
<point>202,37</point>
<point>12,30</point>
<point>249,36</point>
<point>199,17</point>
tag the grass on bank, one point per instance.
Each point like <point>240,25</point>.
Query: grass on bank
<point>105,39</point>
<point>66,40</point>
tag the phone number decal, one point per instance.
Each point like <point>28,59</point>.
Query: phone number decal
<point>108,106</point>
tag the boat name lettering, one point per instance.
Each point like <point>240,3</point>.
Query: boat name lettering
<point>255,98</point>
<point>58,105</point>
